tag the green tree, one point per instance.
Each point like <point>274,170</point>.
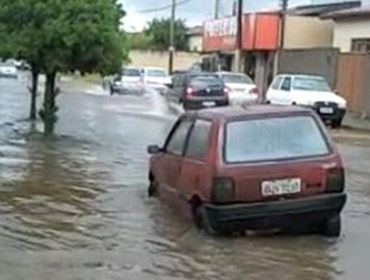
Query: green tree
<point>159,32</point>
<point>64,36</point>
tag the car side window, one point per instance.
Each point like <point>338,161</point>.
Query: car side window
<point>176,142</point>
<point>199,139</point>
<point>276,84</point>
<point>286,84</point>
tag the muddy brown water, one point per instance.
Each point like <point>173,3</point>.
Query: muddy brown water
<point>75,206</point>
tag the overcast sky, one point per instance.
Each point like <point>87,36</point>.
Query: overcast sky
<point>195,11</point>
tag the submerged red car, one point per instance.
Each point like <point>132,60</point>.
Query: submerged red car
<point>251,168</point>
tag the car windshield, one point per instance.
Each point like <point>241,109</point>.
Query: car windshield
<point>205,80</point>
<point>236,79</point>
<point>131,72</point>
<point>311,84</point>
<point>156,73</point>
<point>273,139</point>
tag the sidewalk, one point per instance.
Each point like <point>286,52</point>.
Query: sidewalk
<point>355,121</point>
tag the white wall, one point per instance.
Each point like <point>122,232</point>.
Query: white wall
<point>348,29</point>
<point>308,32</point>
<point>196,43</point>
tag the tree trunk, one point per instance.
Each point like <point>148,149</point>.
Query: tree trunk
<point>35,80</point>
<point>49,113</point>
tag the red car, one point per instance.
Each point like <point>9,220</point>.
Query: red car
<point>255,167</point>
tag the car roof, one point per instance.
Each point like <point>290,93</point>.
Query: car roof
<point>232,112</point>
<point>231,73</point>
<point>301,76</point>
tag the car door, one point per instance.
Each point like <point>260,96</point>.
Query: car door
<point>274,90</point>
<point>176,91</point>
<point>171,161</point>
<point>283,95</point>
<point>195,171</point>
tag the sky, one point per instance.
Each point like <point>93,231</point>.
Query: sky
<point>195,11</point>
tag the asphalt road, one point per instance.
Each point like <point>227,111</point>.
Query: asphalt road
<point>75,206</point>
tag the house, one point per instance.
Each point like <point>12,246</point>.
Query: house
<point>351,29</point>
<point>195,38</point>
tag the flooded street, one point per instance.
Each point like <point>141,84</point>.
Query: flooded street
<point>75,206</point>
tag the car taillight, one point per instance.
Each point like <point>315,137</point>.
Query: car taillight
<point>226,90</point>
<point>254,91</point>
<point>189,92</point>
<point>223,190</point>
<point>335,181</point>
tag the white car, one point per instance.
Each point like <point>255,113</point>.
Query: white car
<point>311,91</point>
<point>241,88</point>
<point>8,70</point>
<point>156,78</point>
<point>129,79</point>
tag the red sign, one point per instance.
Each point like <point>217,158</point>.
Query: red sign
<point>260,32</point>
<point>220,34</point>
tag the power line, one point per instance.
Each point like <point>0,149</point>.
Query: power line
<point>163,8</point>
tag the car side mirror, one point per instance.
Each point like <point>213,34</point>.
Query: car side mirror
<point>154,149</point>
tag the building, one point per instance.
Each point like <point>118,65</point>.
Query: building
<point>351,29</point>
<point>195,38</point>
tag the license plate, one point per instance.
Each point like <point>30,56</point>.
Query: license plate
<point>326,110</point>
<point>280,187</point>
<point>209,104</point>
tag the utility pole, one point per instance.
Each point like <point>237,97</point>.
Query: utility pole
<point>239,37</point>
<point>217,9</point>
<point>284,8</point>
<point>172,37</point>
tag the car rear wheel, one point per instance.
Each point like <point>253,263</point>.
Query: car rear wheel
<point>336,123</point>
<point>332,227</point>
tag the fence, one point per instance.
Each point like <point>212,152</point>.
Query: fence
<point>353,81</point>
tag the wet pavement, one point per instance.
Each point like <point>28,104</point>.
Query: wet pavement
<point>75,206</point>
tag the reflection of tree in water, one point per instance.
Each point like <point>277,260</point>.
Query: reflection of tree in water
<point>57,189</point>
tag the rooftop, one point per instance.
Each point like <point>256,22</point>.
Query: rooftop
<point>249,110</point>
<point>195,30</point>
<point>321,9</point>
<point>350,13</point>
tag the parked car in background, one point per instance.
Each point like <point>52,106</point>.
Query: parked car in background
<point>253,167</point>
<point>156,78</point>
<point>311,91</point>
<point>128,79</point>
<point>241,88</point>
<point>8,70</point>
<point>197,90</point>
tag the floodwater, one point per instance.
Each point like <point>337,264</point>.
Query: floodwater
<point>75,206</point>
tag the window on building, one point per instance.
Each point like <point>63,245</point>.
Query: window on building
<point>361,45</point>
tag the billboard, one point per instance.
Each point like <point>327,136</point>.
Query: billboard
<point>220,34</point>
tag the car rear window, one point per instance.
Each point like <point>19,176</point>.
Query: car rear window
<point>205,80</point>
<point>236,79</point>
<point>156,73</point>
<point>274,139</point>
<point>311,84</point>
<point>131,72</point>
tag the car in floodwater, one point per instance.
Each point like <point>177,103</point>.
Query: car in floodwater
<point>254,167</point>
<point>8,70</point>
<point>241,88</point>
<point>128,80</point>
<point>311,91</point>
<point>197,90</point>
<point>156,78</point>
